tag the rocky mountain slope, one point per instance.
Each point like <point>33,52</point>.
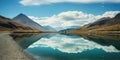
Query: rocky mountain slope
<point>22,18</point>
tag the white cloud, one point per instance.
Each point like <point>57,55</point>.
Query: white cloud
<point>44,2</point>
<point>67,19</point>
<point>68,44</point>
<point>108,14</point>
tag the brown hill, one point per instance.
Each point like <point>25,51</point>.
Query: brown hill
<point>7,24</point>
<point>105,22</point>
<point>103,25</point>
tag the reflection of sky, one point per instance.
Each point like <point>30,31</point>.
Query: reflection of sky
<point>70,44</point>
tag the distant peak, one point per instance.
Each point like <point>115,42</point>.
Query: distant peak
<point>21,14</point>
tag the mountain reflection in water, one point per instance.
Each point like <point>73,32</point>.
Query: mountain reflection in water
<point>70,47</point>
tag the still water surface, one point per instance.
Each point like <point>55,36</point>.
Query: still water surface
<point>69,47</point>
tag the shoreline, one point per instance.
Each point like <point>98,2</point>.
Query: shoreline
<point>10,50</point>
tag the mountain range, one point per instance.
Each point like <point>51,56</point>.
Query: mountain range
<point>22,22</point>
<point>106,21</point>
<point>104,24</point>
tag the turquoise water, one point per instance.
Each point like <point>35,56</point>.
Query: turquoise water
<point>70,47</point>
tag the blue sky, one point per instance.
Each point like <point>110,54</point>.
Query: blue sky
<point>43,11</point>
<point>11,8</point>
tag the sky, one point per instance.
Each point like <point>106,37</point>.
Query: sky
<point>61,14</point>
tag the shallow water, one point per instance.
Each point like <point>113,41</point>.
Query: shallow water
<point>69,47</point>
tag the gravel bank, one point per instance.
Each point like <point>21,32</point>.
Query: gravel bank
<point>10,50</point>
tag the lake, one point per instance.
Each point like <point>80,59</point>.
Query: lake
<point>69,47</point>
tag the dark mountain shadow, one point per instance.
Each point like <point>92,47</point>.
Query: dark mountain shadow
<point>26,39</point>
<point>105,40</point>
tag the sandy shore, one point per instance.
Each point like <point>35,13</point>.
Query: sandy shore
<point>10,50</point>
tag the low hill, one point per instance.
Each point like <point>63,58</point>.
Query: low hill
<point>49,28</point>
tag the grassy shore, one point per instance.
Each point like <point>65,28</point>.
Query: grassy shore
<point>92,32</point>
<point>24,31</point>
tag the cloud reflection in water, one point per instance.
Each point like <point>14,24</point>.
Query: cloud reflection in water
<point>68,44</point>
